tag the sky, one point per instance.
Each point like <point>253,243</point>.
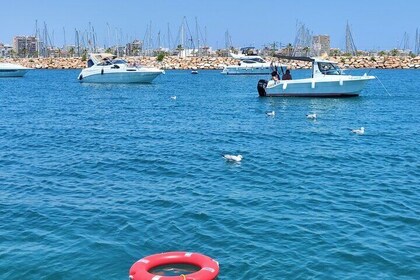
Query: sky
<point>375,24</point>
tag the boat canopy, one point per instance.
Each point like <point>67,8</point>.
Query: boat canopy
<point>320,66</point>
<point>100,57</point>
<point>305,58</point>
<point>301,58</point>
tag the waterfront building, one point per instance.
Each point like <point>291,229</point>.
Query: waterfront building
<point>25,46</point>
<point>321,45</point>
<point>5,50</point>
<point>134,48</point>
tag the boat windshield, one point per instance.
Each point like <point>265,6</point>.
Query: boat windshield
<point>90,63</point>
<point>105,62</point>
<point>328,68</point>
<point>253,60</point>
<point>119,61</point>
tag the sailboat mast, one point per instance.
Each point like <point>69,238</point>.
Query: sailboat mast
<point>198,37</point>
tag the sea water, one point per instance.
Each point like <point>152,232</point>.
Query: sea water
<point>95,177</point>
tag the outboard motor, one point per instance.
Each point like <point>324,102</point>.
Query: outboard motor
<point>262,84</point>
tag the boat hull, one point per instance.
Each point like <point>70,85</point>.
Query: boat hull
<point>233,70</point>
<point>119,77</point>
<point>13,73</point>
<point>12,70</point>
<point>311,88</point>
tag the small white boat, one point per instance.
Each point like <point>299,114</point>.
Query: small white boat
<point>249,63</point>
<point>194,72</point>
<point>105,68</point>
<point>327,80</point>
<point>12,70</point>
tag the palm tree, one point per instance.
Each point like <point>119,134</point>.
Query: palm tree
<point>289,49</point>
<point>12,53</point>
<point>394,52</point>
<point>306,50</point>
<point>71,51</point>
<point>24,51</point>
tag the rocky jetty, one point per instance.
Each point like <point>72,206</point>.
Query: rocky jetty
<point>213,63</point>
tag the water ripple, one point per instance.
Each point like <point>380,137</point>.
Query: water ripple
<point>94,177</point>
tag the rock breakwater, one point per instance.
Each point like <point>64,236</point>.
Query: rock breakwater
<point>217,63</point>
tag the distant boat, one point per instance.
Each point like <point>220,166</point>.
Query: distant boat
<point>194,72</point>
<point>12,70</point>
<point>105,68</point>
<point>327,80</point>
<point>249,63</point>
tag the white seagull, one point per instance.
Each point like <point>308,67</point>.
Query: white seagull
<point>173,97</point>
<point>311,116</point>
<point>360,131</point>
<point>270,114</point>
<point>233,158</point>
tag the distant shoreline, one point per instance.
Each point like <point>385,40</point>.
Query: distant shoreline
<point>217,63</point>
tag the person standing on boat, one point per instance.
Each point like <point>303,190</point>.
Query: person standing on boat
<point>287,76</point>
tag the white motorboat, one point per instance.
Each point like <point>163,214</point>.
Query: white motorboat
<point>327,80</point>
<point>12,70</point>
<point>249,63</point>
<point>105,68</point>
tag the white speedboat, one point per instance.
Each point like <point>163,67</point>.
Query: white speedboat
<point>327,80</point>
<point>12,70</point>
<point>105,68</point>
<point>249,63</point>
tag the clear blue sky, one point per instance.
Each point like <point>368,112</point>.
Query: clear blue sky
<point>374,23</point>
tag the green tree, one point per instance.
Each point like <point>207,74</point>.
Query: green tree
<point>12,53</point>
<point>306,50</point>
<point>289,49</point>
<point>160,57</point>
<point>84,55</point>
<point>71,51</point>
<point>179,48</point>
<point>394,52</point>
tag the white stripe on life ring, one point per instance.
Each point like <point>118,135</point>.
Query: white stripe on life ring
<point>157,277</point>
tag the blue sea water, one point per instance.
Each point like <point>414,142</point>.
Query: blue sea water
<point>95,177</point>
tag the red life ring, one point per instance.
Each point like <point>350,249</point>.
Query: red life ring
<point>209,267</point>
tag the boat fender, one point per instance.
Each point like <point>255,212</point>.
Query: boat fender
<point>262,84</point>
<point>80,77</point>
<point>102,71</point>
<point>284,86</point>
<point>341,82</point>
<point>313,84</point>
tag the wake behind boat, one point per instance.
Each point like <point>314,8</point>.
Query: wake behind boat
<point>105,68</point>
<point>327,80</point>
<point>249,63</point>
<point>12,70</point>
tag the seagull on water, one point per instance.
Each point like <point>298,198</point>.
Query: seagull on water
<point>360,131</point>
<point>311,116</point>
<point>173,97</point>
<point>270,113</point>
<point>233,158</point>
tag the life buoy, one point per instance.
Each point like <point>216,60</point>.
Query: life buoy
<point>209,268</point>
